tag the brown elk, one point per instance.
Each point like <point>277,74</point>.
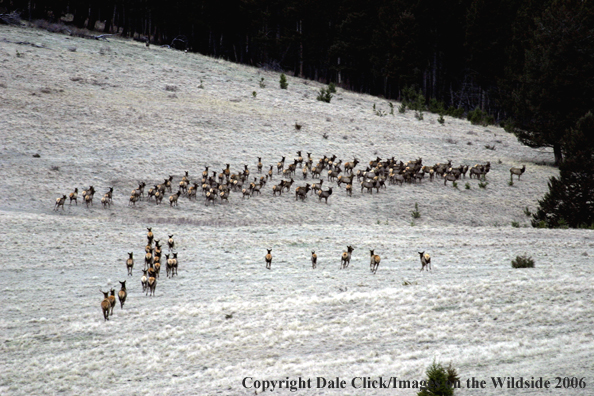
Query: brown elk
<point>374,262</point>
<point>346,257</point>
<point>60,202</point>
<point>268,258</point>
<point>105,305</point>
<point>130,263</point>
<point>122,294</point>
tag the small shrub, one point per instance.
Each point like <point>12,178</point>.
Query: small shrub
<point>523,261</point>
<point>483,184</point>
<point>324,95</point>
<point>254,94</point>
<point>515,224</point>
<point>490,147</point>
<point>262,84</point>
<point>298,126</point>
<point>391,108</point>
<point>332,87</point>
<point>283,81</point>
<point>402,108</point>
<point>455,184</point>
<point>419,115</point>
<point>527,211</point>
<point>415,213</point>
<point>441,120</point>
<point>467,186</point>
<point>201,86</point>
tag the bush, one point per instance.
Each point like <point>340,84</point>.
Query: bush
<point>262,84</point>
<point>441,381</point>
<point>523,262</point>
<point>283,81</point>
<point>402,108</point>
<point>515,224</point>
<point>467,186</point>
<point>325,95</point>
<point>332,87</point>
<point>441,120</point>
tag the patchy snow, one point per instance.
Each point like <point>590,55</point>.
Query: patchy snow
<point>103,115</point>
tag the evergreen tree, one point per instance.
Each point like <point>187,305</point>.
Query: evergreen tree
<point>556,86</point>
<point>570,200</point>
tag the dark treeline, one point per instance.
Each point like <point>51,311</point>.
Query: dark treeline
<point>457,52</point>
<point>509,58</point>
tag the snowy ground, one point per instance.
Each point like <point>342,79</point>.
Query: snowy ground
<point>115,113</point>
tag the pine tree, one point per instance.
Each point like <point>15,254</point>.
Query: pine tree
<point>570,200</point>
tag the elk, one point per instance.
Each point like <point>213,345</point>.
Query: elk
<point>130,263</point>
<point>425,260</point>
<point>170,243</point>
<point>60,202</point>
<point>105,305</point>
<point>375,261</point>
<point>324,194</point>
<point>173,198</point>
<point>516,171</point>
<point>346,257</point>
<point>88,200</point>
<point>301,192</point>
<point>74,196</point>
<point>112,300</point>
<point>133,200</point>
<point>150,235</point>
<point>151,285</point>
<point>144,280</point>
<point>349,166</point>
<point>280,166</point>
<point>157,266</point>
<point>122,294</point>
<point>268,258</point>
<point>269,176</point>
<point>174,266</point>
<point>259,164</point>
<point>168,265</point>
<point>314,259</point>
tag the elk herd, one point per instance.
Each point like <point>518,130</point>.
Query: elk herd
<point>150,271</point>
<point>216,187</point>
